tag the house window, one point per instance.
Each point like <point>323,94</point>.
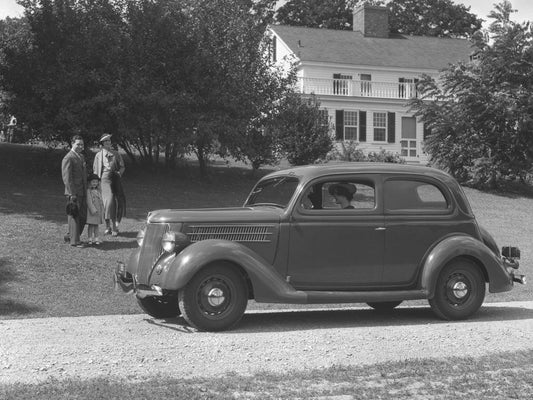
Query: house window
<point>341,84</point>
<point>366,85</point>
<point>380,126</point>
<point>350,125</point>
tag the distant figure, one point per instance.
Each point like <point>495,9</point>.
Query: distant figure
<point>109,167</point>
<point>74,173</point>
<point>95,209</point>
<point>343,194</point>
<point>11,129</point>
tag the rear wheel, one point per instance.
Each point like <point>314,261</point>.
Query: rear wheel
<point>460,291</point>
<point>215,299</point>
<point>160,307</point>
<point>384,306</point>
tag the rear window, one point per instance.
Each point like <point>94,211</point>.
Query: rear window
<point>403,194</point>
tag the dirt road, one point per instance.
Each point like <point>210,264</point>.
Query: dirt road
<point>137,346</point>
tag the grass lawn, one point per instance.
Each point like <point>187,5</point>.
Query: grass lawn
<point>41,276</point>
<point>502,376</point>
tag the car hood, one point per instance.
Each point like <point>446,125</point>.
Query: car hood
<point>213,215</point>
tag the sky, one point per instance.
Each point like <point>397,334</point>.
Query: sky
<point>10,8</point>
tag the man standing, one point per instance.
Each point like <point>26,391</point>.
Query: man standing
<point>74,173</point>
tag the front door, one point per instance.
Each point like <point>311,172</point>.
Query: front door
<point>408,141</point>
<point>333,245</point>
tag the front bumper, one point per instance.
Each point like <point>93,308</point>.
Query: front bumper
<point>127,282</point>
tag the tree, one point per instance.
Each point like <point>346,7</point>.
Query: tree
<point>234,83</point>
<point>61,79</point>
<point>329,14</point>
<point>481,115</point>
<point>439,18</point>
<point>303,134</point>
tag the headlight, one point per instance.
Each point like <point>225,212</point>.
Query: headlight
<point>174,241</point>
<point>140,237</point>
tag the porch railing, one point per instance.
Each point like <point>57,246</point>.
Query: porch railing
<point>358,88</point>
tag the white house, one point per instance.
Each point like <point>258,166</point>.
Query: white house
<point>364,78</point>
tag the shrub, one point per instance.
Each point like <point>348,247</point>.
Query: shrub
<point>385,156</point>
<point>302,134</point>
<point>346,151</point>
<point>349,151</point>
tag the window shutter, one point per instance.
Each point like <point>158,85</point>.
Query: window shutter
<point>339,124</point>
<point>391,127</point>
<point>427,131</point>
<point>362,126</point>
<point>274,49</point>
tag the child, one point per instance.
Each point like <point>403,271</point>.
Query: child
<point>95,209</point>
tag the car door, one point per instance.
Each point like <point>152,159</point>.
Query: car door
<point>419,212</point>
<point>333,248</point>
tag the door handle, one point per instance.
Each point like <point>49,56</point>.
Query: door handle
<point>381,228</point>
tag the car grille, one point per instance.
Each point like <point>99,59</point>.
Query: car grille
<point>151,248</point>
<point>235,233</point>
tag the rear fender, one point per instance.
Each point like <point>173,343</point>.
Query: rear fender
<point>464,246</point>
<point>268,285</point>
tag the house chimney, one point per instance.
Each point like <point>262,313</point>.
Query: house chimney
<point>371,21</point>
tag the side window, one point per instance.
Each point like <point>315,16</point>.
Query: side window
<point>336,195</point>
<point>403,194</point>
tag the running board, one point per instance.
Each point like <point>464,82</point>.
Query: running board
<point>331,297</point>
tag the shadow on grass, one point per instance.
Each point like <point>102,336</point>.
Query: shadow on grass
<point>287,321</point>
<point>8,306</point>
<point>110,245</point>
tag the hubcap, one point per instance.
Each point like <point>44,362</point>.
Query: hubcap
<point>458,289</point>
<point>215,297</point>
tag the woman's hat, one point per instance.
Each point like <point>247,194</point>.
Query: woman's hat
<point>342,187</point>
<point>92,177</point>
<point>105,136</point>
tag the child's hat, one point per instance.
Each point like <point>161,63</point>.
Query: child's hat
<point>92,177</point>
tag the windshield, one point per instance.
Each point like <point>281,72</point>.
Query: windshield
<point>276,192</point>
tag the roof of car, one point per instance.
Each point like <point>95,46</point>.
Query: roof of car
<point>318,170</point>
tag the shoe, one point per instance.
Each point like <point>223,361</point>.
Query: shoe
<point>78,245</point>
<point>66,238</point>
<point>90,243</point>
<point>115,233</point>
<point>107,231</point>
<point>97,243</point>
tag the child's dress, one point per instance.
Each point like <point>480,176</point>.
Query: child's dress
<point>95,207</point>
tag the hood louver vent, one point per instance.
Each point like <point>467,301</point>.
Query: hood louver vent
<point>235,233</point>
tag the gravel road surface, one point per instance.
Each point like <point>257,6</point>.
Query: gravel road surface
<point>137,346</point>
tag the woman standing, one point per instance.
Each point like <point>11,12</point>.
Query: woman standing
<point>109,167</point>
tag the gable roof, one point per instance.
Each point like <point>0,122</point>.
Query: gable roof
<point>349,47</point>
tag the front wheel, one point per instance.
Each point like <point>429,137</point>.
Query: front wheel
<point>215,299</point>
<point>460,291</point>
<point>160,307</point>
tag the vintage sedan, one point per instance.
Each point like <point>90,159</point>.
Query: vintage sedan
<point>336,233</point>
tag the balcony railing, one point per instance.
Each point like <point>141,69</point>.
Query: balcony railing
<point>357,88</point>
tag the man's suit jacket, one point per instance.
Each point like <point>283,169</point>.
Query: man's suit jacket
<point>74,174</point>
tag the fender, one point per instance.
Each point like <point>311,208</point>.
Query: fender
<point>267,284</point>
<point>464,246</point>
